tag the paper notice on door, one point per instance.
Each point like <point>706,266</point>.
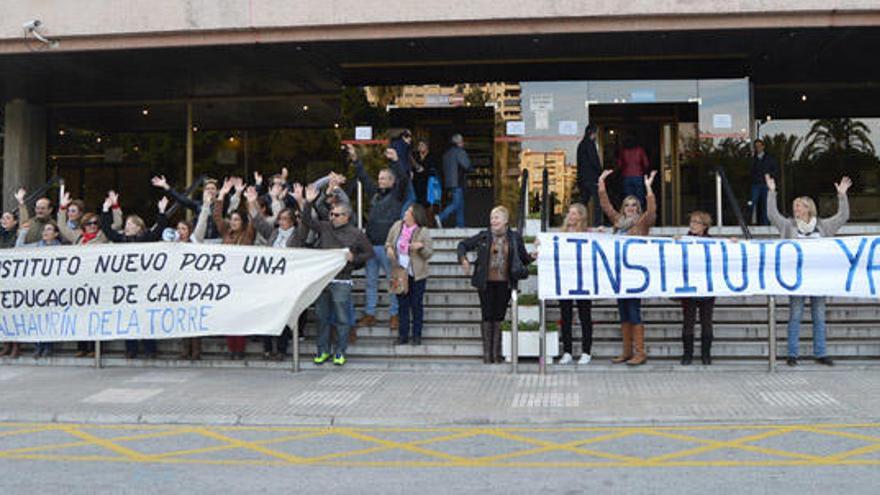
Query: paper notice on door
<point>542,120</point>
<point>568,127</point>
<point>722,121</point>
<point>363,133</point>
<point>516,128</point>
<point>541,101</point>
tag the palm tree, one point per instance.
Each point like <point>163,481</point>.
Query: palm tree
<point>837,136</point>
<point>783,147</point>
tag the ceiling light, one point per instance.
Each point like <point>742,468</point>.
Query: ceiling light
<point>145,111</point>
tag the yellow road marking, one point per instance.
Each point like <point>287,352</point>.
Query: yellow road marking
<point>780,458</point>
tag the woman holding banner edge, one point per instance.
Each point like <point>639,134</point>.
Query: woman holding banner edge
<point>630,220</point>
<point>805,224</point>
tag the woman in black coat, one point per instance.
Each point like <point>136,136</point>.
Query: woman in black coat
<point>135,231</point>
<point>502,261</point>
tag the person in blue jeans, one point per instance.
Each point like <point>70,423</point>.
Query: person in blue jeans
<point>456,164</point>
<point>805,224</point>
<point>335,299</point>
<point>387,196</point>
<point>409,246</point>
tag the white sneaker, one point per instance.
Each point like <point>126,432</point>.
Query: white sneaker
<point>565,359</point>
<point>585,359</point>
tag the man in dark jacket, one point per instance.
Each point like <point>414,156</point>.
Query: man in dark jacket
<point>335,299</point>
<point>402,145</point>
<point>387,197</point>
<point>763,164</point>
<point>588,169</point>
<point>456,163</point>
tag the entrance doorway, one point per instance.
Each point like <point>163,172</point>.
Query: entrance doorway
<point>665,131</point>
<point>477,126</point>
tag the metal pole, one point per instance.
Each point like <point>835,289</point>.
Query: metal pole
<point>360,195</point>
<point>514,334</point>
<point>295,347</point>
<point>189,144</point>
<point>771,333</point>
<point>542,340</point>
<point>98,364</point>
<point>718,200</point>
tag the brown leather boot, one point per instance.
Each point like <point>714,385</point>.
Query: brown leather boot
<point>394,323</point>
<point>496,342</point>
<point>626,330</point>
<point>639,343</point>
<point>196,349</point>
<point>366,321</point>
<point>486,334</point>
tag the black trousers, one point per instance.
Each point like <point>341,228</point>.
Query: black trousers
<point>584,314</point>
<point>494,300</point>
<point>689,307</point>
<point>282,340</point>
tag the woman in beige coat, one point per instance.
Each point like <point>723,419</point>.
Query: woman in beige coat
<point>409,247</point>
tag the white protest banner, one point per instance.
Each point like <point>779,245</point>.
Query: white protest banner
<point>157,290</point>
<point>595,266</point>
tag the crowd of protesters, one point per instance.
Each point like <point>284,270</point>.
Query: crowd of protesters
<point>397,241</point>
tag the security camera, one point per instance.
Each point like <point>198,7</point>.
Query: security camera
<point>31,25</point>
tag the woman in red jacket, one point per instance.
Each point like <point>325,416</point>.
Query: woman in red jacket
<point>633,165</point>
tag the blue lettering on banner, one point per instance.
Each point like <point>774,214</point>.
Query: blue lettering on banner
<point>707,253</point>
<point>872,267</point>
<point>613,278</point>
<point>687,288</point>
<point>798,270</point>
<point>762,262</point>
<point>632,266</point>
<point>661,244</point>
<point>853,260</point>
<point>580,266</point>
<point>725,262</point>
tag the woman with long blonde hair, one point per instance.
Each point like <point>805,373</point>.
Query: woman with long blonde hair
<point>576,221</point>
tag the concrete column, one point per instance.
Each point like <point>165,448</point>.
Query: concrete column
<point>24,148</point>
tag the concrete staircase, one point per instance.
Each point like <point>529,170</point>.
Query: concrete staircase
<point>452,315</point>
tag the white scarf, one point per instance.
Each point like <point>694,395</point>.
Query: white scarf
<point>806,229</point>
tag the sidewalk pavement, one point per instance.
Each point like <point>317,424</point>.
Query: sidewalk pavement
<point>423,393</point>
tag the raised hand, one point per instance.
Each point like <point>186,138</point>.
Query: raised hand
<point>843,186</point>
<point>258,179</point>
<point>65,200</point>
<point>108,202</point>
<point>649,179</point>
<point>251,194</point>
<point>284,173</point>
<point>391,154</point>
<point>771,182</point>
<point>163,204</point>
<point>207,198</point>
<point>311,193</point>
<point>238,184</point>
<point>160,182</point>
<point>113,197</point>
<point>352,152</point>
<point>20,194</point>
<point>605,174</point>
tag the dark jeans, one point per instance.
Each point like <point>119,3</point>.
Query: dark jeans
<point>282,340</point>
<point>455,207</point>
<point>759,201</point>
<point>630,310</point>
<point>131,347</point>
<point>494,300</point>
<point>412,302</point>
<point>689,307</point>
<point>591,191</point>
<point>334,301</point>
<point>635,186</point>
<point>584,314</point>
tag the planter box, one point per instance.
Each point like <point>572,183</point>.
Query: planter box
<point>529,344</point>
<point>529,313</point>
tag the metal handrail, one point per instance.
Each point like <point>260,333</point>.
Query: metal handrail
<point>514,294</point>
<point>771,300</point>
<point>542,313</point>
